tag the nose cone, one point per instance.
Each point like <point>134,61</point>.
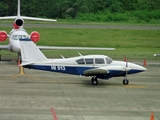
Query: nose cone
<point>130,67</point>
<point>136,68</point>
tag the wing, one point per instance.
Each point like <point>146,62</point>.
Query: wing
<point>42,19</point>
<point>97,71</point>
<point>72,48</point>
<point>8,17</point>
<point>4,47</point>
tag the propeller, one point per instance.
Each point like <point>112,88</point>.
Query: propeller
<point>125,81</point>
<point>126,70</point>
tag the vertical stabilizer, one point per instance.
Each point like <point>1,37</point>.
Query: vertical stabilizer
<point>18,9</point>
<point>30,52</point>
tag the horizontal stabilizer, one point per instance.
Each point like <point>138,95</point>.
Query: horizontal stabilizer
<point>25,63</point>
<point>8,17</point>
<point>41,19</point>
<point>28,18</point>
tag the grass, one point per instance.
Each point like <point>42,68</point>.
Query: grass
<point>135,44</point>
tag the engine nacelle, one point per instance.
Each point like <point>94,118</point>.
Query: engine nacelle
<point>3,36</point>
<point>35,36</point>
<point>19,22</point>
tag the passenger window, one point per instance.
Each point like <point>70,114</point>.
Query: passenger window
<point>99,61</point>
<point>13,37</point>
<point>80,61</point>
<point>89,60</point>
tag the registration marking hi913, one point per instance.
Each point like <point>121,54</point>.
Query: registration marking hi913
<point>59,68</point>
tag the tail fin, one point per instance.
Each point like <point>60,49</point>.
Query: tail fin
<point>25,17</point>
<point>18,9</point>
<point>30,52</point>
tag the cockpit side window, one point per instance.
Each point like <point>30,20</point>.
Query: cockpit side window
<point>17,37</point>
<point>80,61</point>
<point>24,36</point>
<point>99,61</point>
<point>20,36</point>
<point>89,60</point>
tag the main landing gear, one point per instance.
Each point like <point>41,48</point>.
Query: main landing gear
<point>94,80</point>
<point>125,81</point>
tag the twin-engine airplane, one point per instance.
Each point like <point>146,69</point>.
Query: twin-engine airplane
<point>96,66</point>
<point>18,32</point>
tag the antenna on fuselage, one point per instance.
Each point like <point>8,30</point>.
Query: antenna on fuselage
<point>62,57</point>
<point>80,54</point>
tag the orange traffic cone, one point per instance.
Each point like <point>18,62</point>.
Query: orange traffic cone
<point>19,62</point>
<point>125,58</point>
<point>152,116</point>
<point>145,62</point>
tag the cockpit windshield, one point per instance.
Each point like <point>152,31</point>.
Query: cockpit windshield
<point>17,37</point>
<point>108,60</point>
<point>98,60</point>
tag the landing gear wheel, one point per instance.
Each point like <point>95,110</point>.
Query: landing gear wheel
<point>125,82</point>
<point>94,81</point>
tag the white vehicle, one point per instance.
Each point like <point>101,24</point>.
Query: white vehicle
<point>96,66</point>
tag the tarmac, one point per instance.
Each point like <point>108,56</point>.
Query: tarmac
<point>42,95</point>
<point>87,26</point>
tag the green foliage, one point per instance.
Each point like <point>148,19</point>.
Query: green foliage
<point>3,9</point>
<point>104,16</point>
<point>136,44</point>
<point>91,10</point>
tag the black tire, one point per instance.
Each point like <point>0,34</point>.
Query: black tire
<point>125,82</point>
<point>94,82</point>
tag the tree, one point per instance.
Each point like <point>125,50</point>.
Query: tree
<point>4,8</point>
<point>73,7</point>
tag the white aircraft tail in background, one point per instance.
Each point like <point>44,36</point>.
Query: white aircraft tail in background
<point>18,32</point>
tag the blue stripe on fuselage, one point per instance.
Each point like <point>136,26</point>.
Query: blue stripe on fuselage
<point>76,70</point>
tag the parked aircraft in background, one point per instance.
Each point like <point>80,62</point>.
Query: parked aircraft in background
<point>18,32</point>
<point>96,66</point>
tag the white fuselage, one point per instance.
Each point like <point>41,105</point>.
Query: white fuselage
<point>77,65</point>
<point>14,37</point>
